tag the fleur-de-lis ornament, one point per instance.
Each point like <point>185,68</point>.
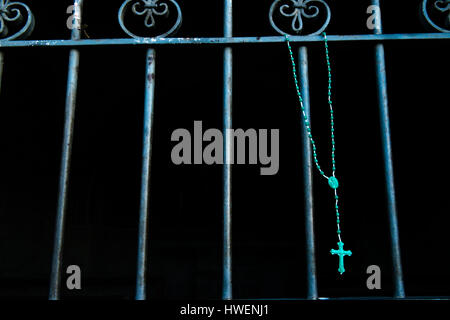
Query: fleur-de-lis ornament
<point>300,9</point>
<point>443,6</point>
<point>10,13</point>
<point>149,9</point>
<point>297,11</point>
<point>431,9</point>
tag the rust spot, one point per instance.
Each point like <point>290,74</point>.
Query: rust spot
<point>151,77</point>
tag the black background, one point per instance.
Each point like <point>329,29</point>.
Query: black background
<point>185,246</point>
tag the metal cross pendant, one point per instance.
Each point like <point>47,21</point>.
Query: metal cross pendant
<point>341,253</point>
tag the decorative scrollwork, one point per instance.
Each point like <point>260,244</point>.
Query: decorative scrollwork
<point>149,9</point>
<point>13,14</point>
<point>439,7</point>
<point>296,10</point>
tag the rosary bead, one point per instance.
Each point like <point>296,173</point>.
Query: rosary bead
<point>334,184</point>
<point>332,181</point>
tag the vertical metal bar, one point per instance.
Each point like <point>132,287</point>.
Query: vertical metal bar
<point>307,180</point>
<point>228,152</point>
<point>72,82</point>
<point>399,291</point>
<point>141,278</point>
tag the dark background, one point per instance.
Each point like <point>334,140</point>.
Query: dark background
<point>185,245</point>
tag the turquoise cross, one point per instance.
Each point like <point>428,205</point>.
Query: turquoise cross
<point>341,253</point>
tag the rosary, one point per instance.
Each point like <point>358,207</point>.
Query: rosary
<point>332,180</point>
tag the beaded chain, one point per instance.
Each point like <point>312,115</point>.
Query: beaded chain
<point>332,180</point>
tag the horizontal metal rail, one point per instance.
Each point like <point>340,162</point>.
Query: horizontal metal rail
<point>221,40</point>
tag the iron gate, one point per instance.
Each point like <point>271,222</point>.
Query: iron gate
<point>297,13</point>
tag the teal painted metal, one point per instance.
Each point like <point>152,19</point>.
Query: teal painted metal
<point>72,84</point>
<point>442,6</point>
<point>380,69</point>
<point>141,278</point>
<point>227,293</point>
<point>12,13</point>
<point>299,12</point>
<point>296,11</point>
<point>311,276</point>
<point>146,42</point>
<point>149,8</point>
